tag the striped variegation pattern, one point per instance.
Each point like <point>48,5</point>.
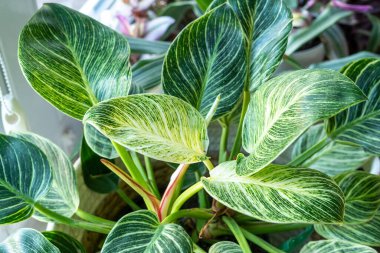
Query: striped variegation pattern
<point>367,233</point>
<point>25,178</point>
<point>207,59</point>
<point>99,143</point>
<point>27,240</point>
<point>335,246</point>
<point>278,194</point>
<point>159,126</point>
<point>225,247</point>
<point>284,107</point>
<point>333,159</point>
<point>64,242</point>
<point>72,60</point>
<point>360,124</point>
<point>362,195</point>
<point>63,196</point>
<point>141,231</point>
<point>261,19</point>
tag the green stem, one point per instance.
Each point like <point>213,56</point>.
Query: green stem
<point>202,198</point>
<point>259,228</point>
<point>93,218</point>
<point>208,164</point>
<point>151,178</point>
<point>223,143</point>
<point>197,248</point>
<point>301,158</point>
<point>199,213</point>
<point>237,143</point>
<point>139,165</point>
<point>187,194</point>
<point>235,229</point>
<point>128,162</point>
<point>127,200</point>
<point>292,62</point>
<point>260,242</point>
<point>95,227</point>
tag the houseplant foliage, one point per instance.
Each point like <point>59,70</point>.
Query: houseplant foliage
<point>218,68</point>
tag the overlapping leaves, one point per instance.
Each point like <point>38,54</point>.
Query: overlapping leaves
<point>328,246</point>
<point>225,246</point>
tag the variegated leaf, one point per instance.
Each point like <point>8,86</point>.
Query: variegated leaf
<point>225,247</point>
<point>360,124</point>
<point>63,196</point>
<point>340,63</point>
<point>27,240</point>
<point>64,242</point>
<point>141,231</point>
<point>362,195</point>
<point>72,60</point>
<point>99,143</point>
<point>334,158</point>
<point>159,126</point>
<point>367,233</point>
<point>335,42</point>
<point>25,178</point>
<point>278,194</point>
<point>335,246</point>
<point>261,19</point>
<point>284,107</point>
<point>205,60</point>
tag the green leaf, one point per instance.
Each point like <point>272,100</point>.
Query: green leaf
<point>203,4</point>
<point>329,246</point>
<point>99,143</point>
<point>278,194</point>
<point>359,125</point>
<point>147,73</point>
<point>159,126</point>
<point>284,107</point>
<point>297,241</point>
<point>260,19</point>
<point>334,158</point>
<point>225,247</point>
<point>339,63</point>
<point>325,20</point>
<point>96,175</point>
<point>141,231</point>
<point>66,57</point>
<point>27,240</point>
<point>365,233</point>
<point>25,178</point>
<point>205,60</point>
<point>335,42</point>
<point>63,197</point>
<point>143,46</point>
<point>362,195</point>
<point>64,242</point>
<point>374,38</point>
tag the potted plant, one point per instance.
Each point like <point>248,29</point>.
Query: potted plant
<point>217,69</point>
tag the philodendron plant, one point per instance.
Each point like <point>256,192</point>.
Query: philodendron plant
<point>218,69</point>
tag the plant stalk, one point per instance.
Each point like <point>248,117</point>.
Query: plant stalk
<point>259,228</point>
<point>223,143</point>
<point>187,194</point>
<point>151,178</point>
<point>260,242</point>
<point>235,229</point>
<point>208,164</point>
<point>93,218</point>
<point>127,200</point>
<point>199,213</point>
<point>139,166</point>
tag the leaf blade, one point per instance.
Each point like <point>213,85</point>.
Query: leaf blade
<point>327,246</point>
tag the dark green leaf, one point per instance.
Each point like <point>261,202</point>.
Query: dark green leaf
<point>64,242</point>
<point>329,246</point>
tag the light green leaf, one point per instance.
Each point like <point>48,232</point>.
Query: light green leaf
<point>25,178</point>
<point>159,126</point>
<point>260,19</point>
<point>205,60</point>
<point>141,231</point>
<point>64,242</point>
<point>362,195</point>
<point>278,194</point>
<point>284,107</point>
<point>334,158</point>
<point>329,17</point>
<point>63,197</point>
<point>335,42</point>
<point>27,240</point>
<point>374,38</point>
<point>225,247</point>
<point>366,233</point>
<point>336,246</point>
<point>339,63</point>
<point>72,60</point>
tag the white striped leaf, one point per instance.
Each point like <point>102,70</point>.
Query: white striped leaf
<point>278,194</point>
<point>159,126</point>
<point>27,240</point>
<point>284,107</point>
<point>225,247</point>
<point>62,196</point>
<point>205,60</point>
<point>141,231</point>
<point>360,124</point>
<point>335,246</point>
<point>99,143</point>
<point>25,178</point>
<point>261,19</point>
<point>367,233</point>
<point>64,242</point>
<point>72,60</point>
<point>362,195</point>
<point>333,159</point>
